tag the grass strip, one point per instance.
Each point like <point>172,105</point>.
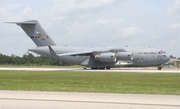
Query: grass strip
<point>101,82</point>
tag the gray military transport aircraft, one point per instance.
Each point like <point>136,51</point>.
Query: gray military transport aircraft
<point>95,58</point>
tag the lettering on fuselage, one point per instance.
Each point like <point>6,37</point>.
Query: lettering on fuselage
<point>144,53</point>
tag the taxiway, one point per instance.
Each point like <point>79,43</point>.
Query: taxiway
<point>136,70</point>
<point>66,100</point>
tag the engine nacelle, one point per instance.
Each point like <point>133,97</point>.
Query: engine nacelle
<point>106,57</point>
<point>125,56</point>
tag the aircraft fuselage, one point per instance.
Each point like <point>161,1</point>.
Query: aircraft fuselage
<point>140,58</point>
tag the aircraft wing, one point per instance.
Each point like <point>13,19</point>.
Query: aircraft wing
<point>85,53</point>
<point>115,50</point>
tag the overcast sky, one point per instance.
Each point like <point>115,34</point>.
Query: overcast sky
<point>101,23</point>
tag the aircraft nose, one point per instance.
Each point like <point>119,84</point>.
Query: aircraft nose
<point>167,58</point>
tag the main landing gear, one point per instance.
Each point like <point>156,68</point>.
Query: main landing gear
<point>102,68</point>
<point>159,68</point>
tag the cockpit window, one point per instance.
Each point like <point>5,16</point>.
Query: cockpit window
<point>164,52</point>
<point>164,55</point>
<point>161,52</point>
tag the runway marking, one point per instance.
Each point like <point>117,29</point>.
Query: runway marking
<point>99,102</point>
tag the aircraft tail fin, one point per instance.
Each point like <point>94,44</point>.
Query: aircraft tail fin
<point>34,30</point>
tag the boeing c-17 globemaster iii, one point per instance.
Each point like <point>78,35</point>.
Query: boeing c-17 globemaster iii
<point>95,58</point>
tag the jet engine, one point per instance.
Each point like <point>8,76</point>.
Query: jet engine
<point>125,56</point>
<point>106,57</point>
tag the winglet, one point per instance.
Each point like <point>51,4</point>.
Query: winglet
<point>51,51</point>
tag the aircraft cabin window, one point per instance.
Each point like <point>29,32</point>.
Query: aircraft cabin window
<point>164,52</point>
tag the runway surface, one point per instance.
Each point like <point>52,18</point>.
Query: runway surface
<point>64,100</point>
<point>140,70</point>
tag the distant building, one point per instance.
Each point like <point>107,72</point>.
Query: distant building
<point>175,61</point>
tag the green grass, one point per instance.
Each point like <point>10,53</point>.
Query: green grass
<point>104,82</point>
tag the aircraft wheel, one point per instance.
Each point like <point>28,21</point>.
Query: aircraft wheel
<point>108,68</point>
<point>94,68</point>
<point>159,68</point>
<point>101,68</point>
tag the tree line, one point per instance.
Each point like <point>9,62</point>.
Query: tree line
<point>29,59</point>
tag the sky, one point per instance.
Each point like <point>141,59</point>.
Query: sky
<point>97,23</point>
